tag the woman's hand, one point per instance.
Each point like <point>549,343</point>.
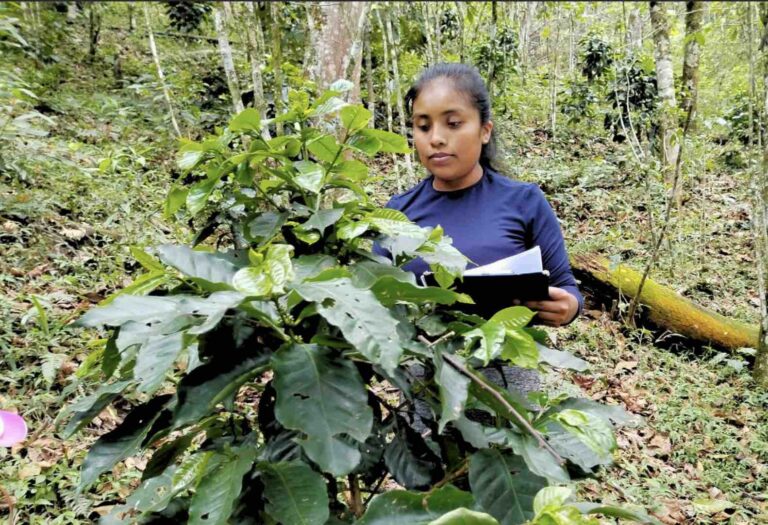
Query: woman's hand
<point>558,310</point>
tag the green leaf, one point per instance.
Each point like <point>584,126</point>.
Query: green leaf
<point>514,317</point>
<point>321,219</point>
<point>254,281</point>
<point>365,323</point>
<point>214,382</point>
<point>87,408</point>
<point>400,507</point>
<point>390,142</point>
<point>454,388</point>
<point>538,459</point>
<point>613,511</point>
<point>153,495</point>
<point>354,117</point>
<point>352,170</point>
<point>331,104</point>
<point>520,349</point>
<point>555,496</point>
<point>410,461</point>
<point>164,456</point>
<point>560,359</point>
<point>351,229</point>
<point>295,494</point>
<point>310,175</point>
<point>325,148</point>
<point>177,197</point>
<point>127,308</point>
<point>155,358</point>
<point>368,145</point>
<point>491,336</point>
<point>592,430</point>
<point>197,195</point>
<point>322,395</point>
<point>264,227</point>
<point>307,266</point>
<point>365,274</point>
<point>189,156</point>
<point>464,516</point>
<point>247,120</point>
<point>503,486</point>
<point>121,442</point>
<point>390,290</point>
<point>192,470</point>
<point>341,85</point>
<point>214,499</point>
<point>214,268</point>
<point>142,285</point>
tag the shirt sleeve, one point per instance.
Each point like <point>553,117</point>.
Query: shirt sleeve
<point>544,231</point>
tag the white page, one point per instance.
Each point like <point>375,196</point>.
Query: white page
<point>527,262</point>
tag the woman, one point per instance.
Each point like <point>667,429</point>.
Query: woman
<point>488,216</point>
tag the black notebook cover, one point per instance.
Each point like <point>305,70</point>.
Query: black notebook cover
<point>492,293</point>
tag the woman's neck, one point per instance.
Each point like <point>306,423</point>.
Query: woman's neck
<point>466,181</point>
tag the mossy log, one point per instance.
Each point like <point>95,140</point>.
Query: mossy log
<point>666,308</point>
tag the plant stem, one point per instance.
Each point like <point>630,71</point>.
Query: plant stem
<point>521,421</point>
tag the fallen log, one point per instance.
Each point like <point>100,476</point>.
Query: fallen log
<point>666,308</point>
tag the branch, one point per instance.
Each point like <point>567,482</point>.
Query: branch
<point>521,421</point>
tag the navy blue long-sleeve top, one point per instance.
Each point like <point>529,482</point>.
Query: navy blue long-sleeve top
<point>495,218</point>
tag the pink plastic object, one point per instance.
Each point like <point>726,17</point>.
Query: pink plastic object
<point>13,429</point>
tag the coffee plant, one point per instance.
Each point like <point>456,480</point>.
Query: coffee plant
<point>272,381</point>
<point>186,15</point>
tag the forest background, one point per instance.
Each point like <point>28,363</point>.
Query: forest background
<point>590,101</point>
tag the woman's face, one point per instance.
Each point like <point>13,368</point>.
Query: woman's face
<point>448,135</point>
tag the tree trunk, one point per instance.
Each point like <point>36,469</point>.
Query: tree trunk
<point>226,59</point>
<point>693,17</point>
<point>94,29</point>
<point>369,75</point>
<point>160,75</point>
<point>665,307</point>
<point>460,14</point>
<point>277,63</point>
<point>665,85</point>
<point>337,40</point>
<point>72,12</point>
<point>425,8</point>
<point>635,31</point>
<point>438,33</point>
<point>761,359</point>
<point>255,52</point>
<point>131,19</point>
<point>393,49</point>
<point>554,72</point>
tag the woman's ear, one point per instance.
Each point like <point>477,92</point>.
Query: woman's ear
<point>485,132</point>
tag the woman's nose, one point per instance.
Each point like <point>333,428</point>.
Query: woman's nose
<point>437,138</point>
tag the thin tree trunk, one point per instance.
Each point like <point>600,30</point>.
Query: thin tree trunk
<point>752,83</point>
<point>94,29</point>
<point>666,88</point>
<point>393,49</point>
<point>255,52</point>
<point>693,17</point>
<point>131,20</point>
<point>369,75</point>
<point>277,63</point>
<point>760,372</point>
<point>554,72</point>
<point>635,31</point>
<point>425,11</point>
<point>160,75</point>
<point>460,14</point>
<point>226,59</point>
<point>438,33</point>
<point>388,95</point>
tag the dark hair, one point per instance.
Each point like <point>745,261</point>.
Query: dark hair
<point>466,79</point>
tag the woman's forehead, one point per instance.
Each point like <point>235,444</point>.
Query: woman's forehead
<point>440,98</point>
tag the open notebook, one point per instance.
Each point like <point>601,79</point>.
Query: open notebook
<point>494,286</point>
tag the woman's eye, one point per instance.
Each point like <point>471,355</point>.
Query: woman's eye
<point>455,124</point>
<point>423,127</point>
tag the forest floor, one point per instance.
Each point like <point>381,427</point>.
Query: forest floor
<point>95,187</point>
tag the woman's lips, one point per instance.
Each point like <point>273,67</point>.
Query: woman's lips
<point>440,158</point>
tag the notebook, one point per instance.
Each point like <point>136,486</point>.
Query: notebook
<point>494,286</point>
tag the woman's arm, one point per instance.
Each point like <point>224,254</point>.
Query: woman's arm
<point>565,300</point>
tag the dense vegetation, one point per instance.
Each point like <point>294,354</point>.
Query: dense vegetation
<point>94,177</point>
